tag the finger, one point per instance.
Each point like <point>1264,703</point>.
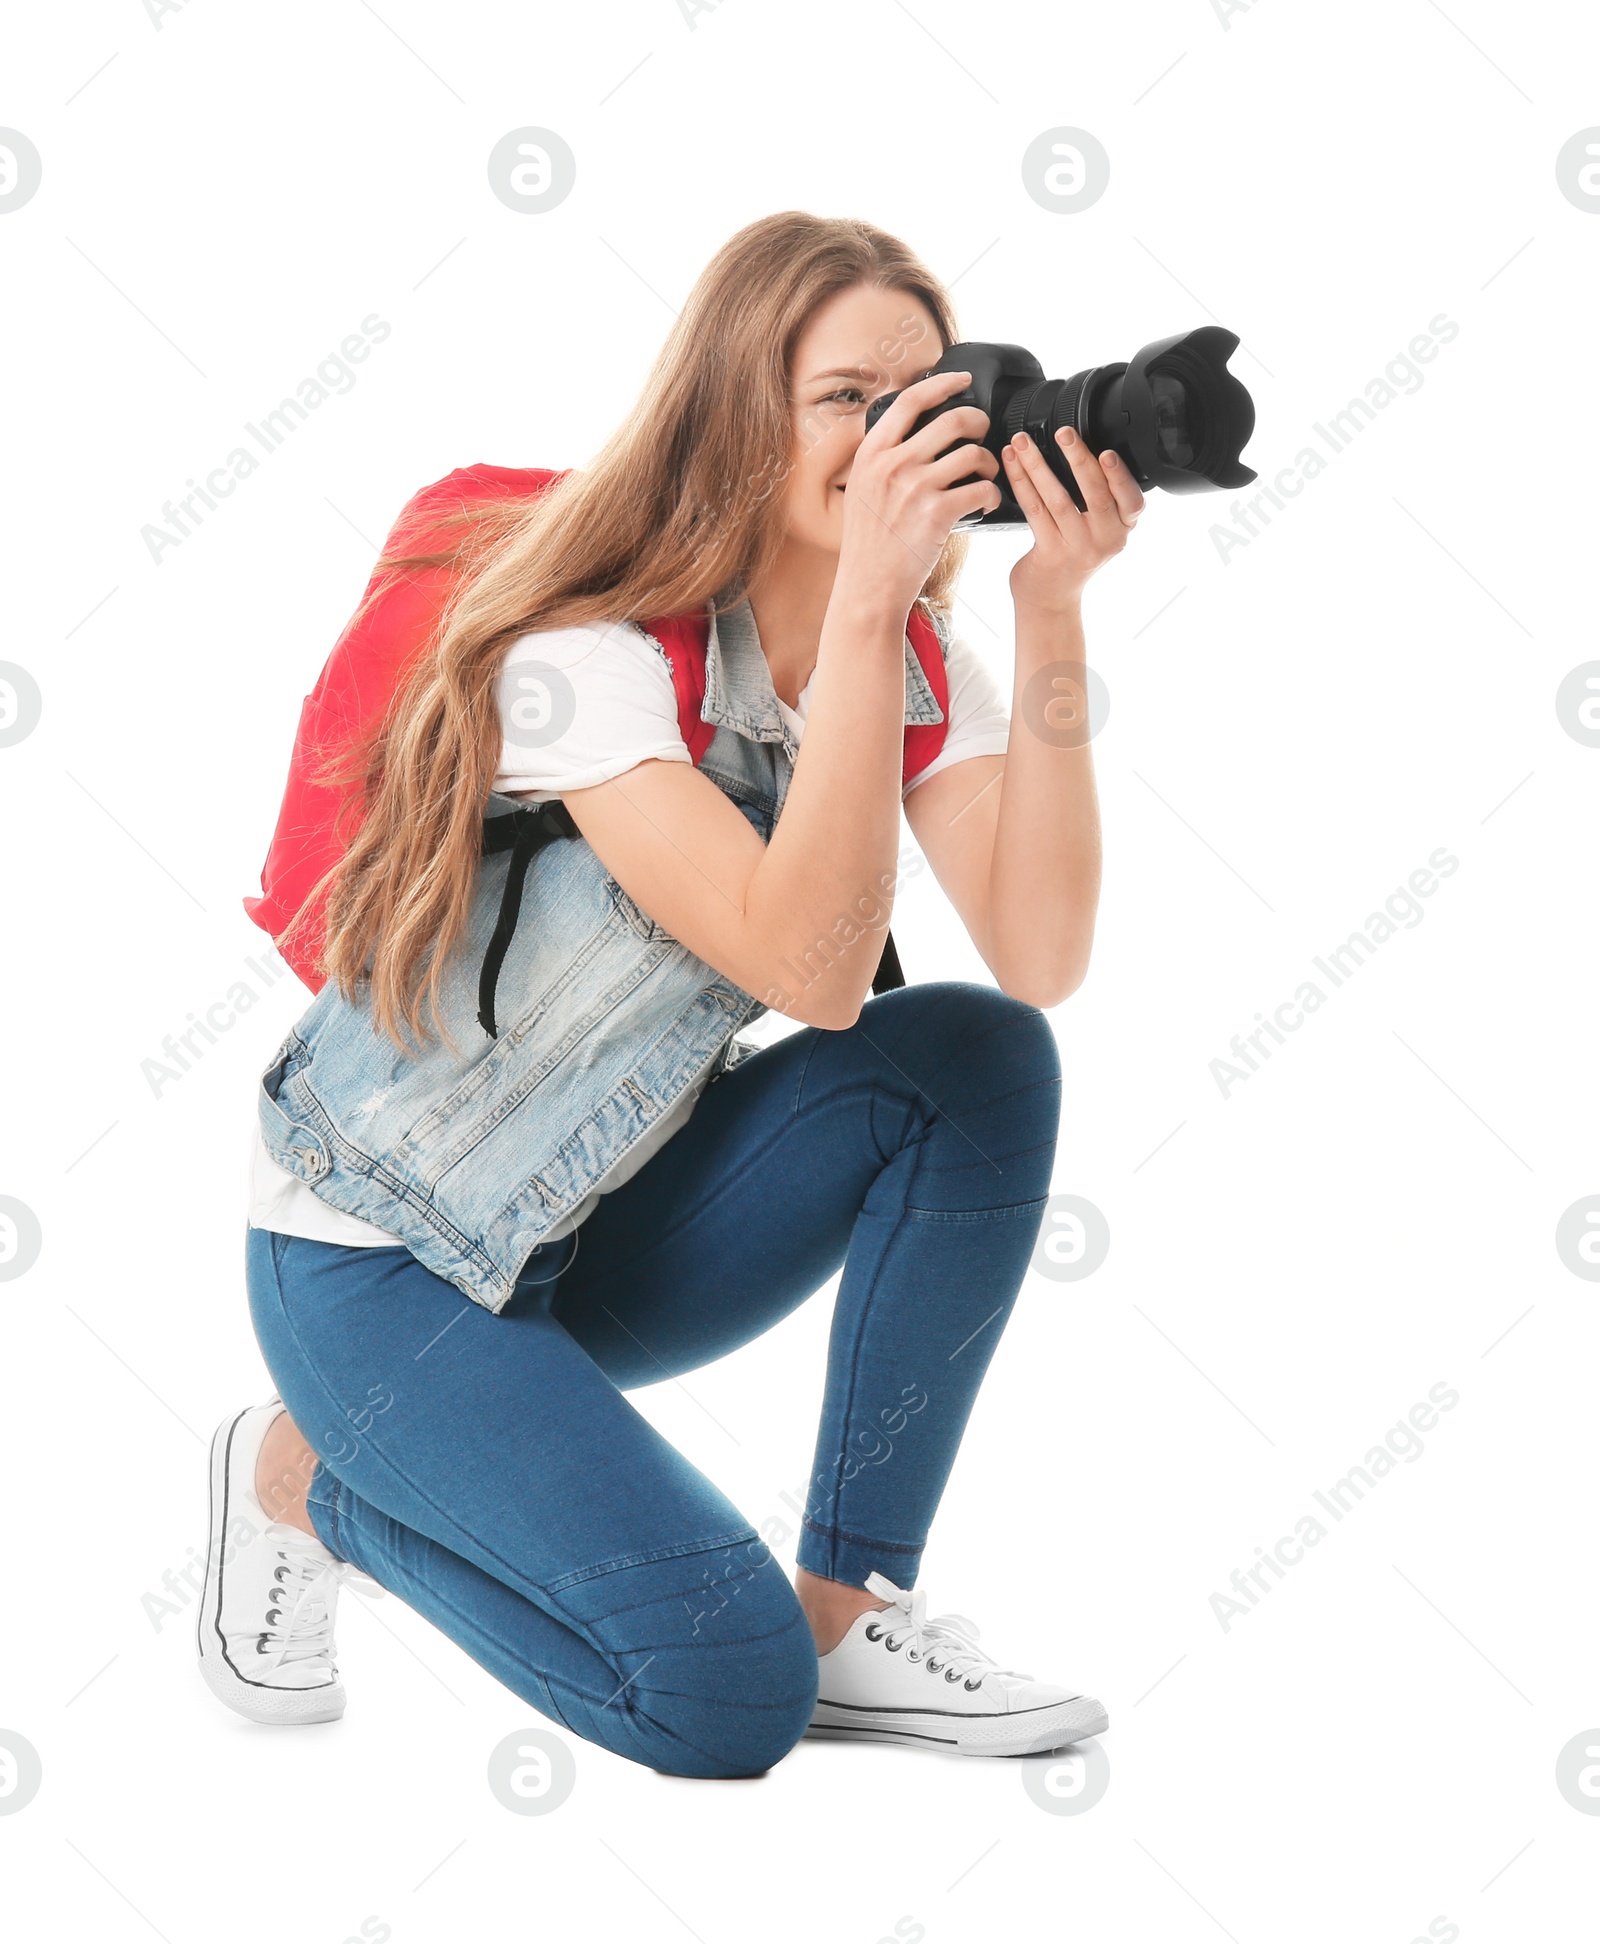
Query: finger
<point>1124,487</point>
<point>1090,475</point>
<point>961,422</point>
<point>1046,524</point>
<point>1052,494</point>
<point>1046,521</point>
<point>914,400</point>
<point>959,501</point>
<point>965,459</point>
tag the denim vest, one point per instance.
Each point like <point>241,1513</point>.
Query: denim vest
<point>471,1156</point>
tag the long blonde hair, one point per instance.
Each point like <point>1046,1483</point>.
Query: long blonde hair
<point>681,502</point>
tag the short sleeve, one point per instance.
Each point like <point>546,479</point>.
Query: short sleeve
<point>980,724</point>
<point>579,706</point>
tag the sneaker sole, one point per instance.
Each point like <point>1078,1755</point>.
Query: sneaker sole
<point>253,1699</point>
<point>1032,1732</point>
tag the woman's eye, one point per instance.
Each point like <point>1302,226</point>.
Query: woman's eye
<point>848,393</point>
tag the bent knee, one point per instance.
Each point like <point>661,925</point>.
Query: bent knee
<point>732,1682</point>
<point>735,1707</point>
<point>984,1028</point>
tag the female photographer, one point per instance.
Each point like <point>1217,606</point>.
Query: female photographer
<point>513,1162</point>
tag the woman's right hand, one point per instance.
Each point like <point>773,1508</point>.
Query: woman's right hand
<point>901,500</point>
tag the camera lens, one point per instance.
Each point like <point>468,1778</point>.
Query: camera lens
<point>1175,415</point>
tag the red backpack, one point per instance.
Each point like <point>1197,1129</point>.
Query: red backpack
<point>362,674</point>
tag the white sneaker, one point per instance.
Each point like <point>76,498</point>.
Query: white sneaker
<point>266,1611</point>
<point>898,1676</point>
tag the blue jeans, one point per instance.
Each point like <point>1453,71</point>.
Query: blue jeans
<point>489,1471</point>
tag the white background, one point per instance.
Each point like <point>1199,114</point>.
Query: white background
<point>227,193</point>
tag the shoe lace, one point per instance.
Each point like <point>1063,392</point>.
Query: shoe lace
<point>298,1623</point>
<point>948,1641</point>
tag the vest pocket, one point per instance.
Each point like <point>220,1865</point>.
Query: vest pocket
<point>637,921</point>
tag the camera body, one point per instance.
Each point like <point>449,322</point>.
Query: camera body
<point>1174,414</point>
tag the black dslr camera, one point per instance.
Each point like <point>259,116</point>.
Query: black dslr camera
<point>1176,416</point>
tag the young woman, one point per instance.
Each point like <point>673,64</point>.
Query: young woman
<point>465,1248</point>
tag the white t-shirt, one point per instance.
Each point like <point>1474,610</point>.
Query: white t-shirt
<point>623,711</point>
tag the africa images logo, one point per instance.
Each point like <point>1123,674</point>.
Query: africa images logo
<point>1401,912</point>
<point>333,377</point>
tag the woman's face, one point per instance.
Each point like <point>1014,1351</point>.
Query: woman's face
<point>862,343</point>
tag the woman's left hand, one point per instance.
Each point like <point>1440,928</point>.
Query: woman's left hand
<point>1067,545</point>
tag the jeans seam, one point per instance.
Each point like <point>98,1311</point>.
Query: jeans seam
<point>330,1505</point>
<point>1012,1211</point>
<point>665,1595</point>
<point>470,1623</point>
<point>861,1327</point>
<point>805,1068</point>
<point>690,1646</point>
<point>679,1550</point>
<point>1015,1156</point>
<point>629,1713</point>
<point>832,1532</point>
<point>321,1474</point>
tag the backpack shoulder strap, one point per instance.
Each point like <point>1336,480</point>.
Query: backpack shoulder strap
<point>924,740</point>
<point>683,639</point>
